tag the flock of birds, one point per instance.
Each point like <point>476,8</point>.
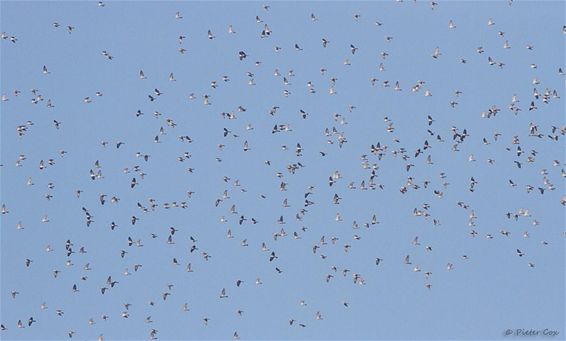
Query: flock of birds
<point>293,206</point>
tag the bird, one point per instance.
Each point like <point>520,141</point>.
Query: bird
<point>223,293</point>
<point>436,53</point>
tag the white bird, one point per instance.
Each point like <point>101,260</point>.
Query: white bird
<point>436,53</point>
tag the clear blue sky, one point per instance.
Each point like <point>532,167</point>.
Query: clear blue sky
<point>493,290</point>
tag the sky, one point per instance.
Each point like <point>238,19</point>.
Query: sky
<point>505,243</point>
